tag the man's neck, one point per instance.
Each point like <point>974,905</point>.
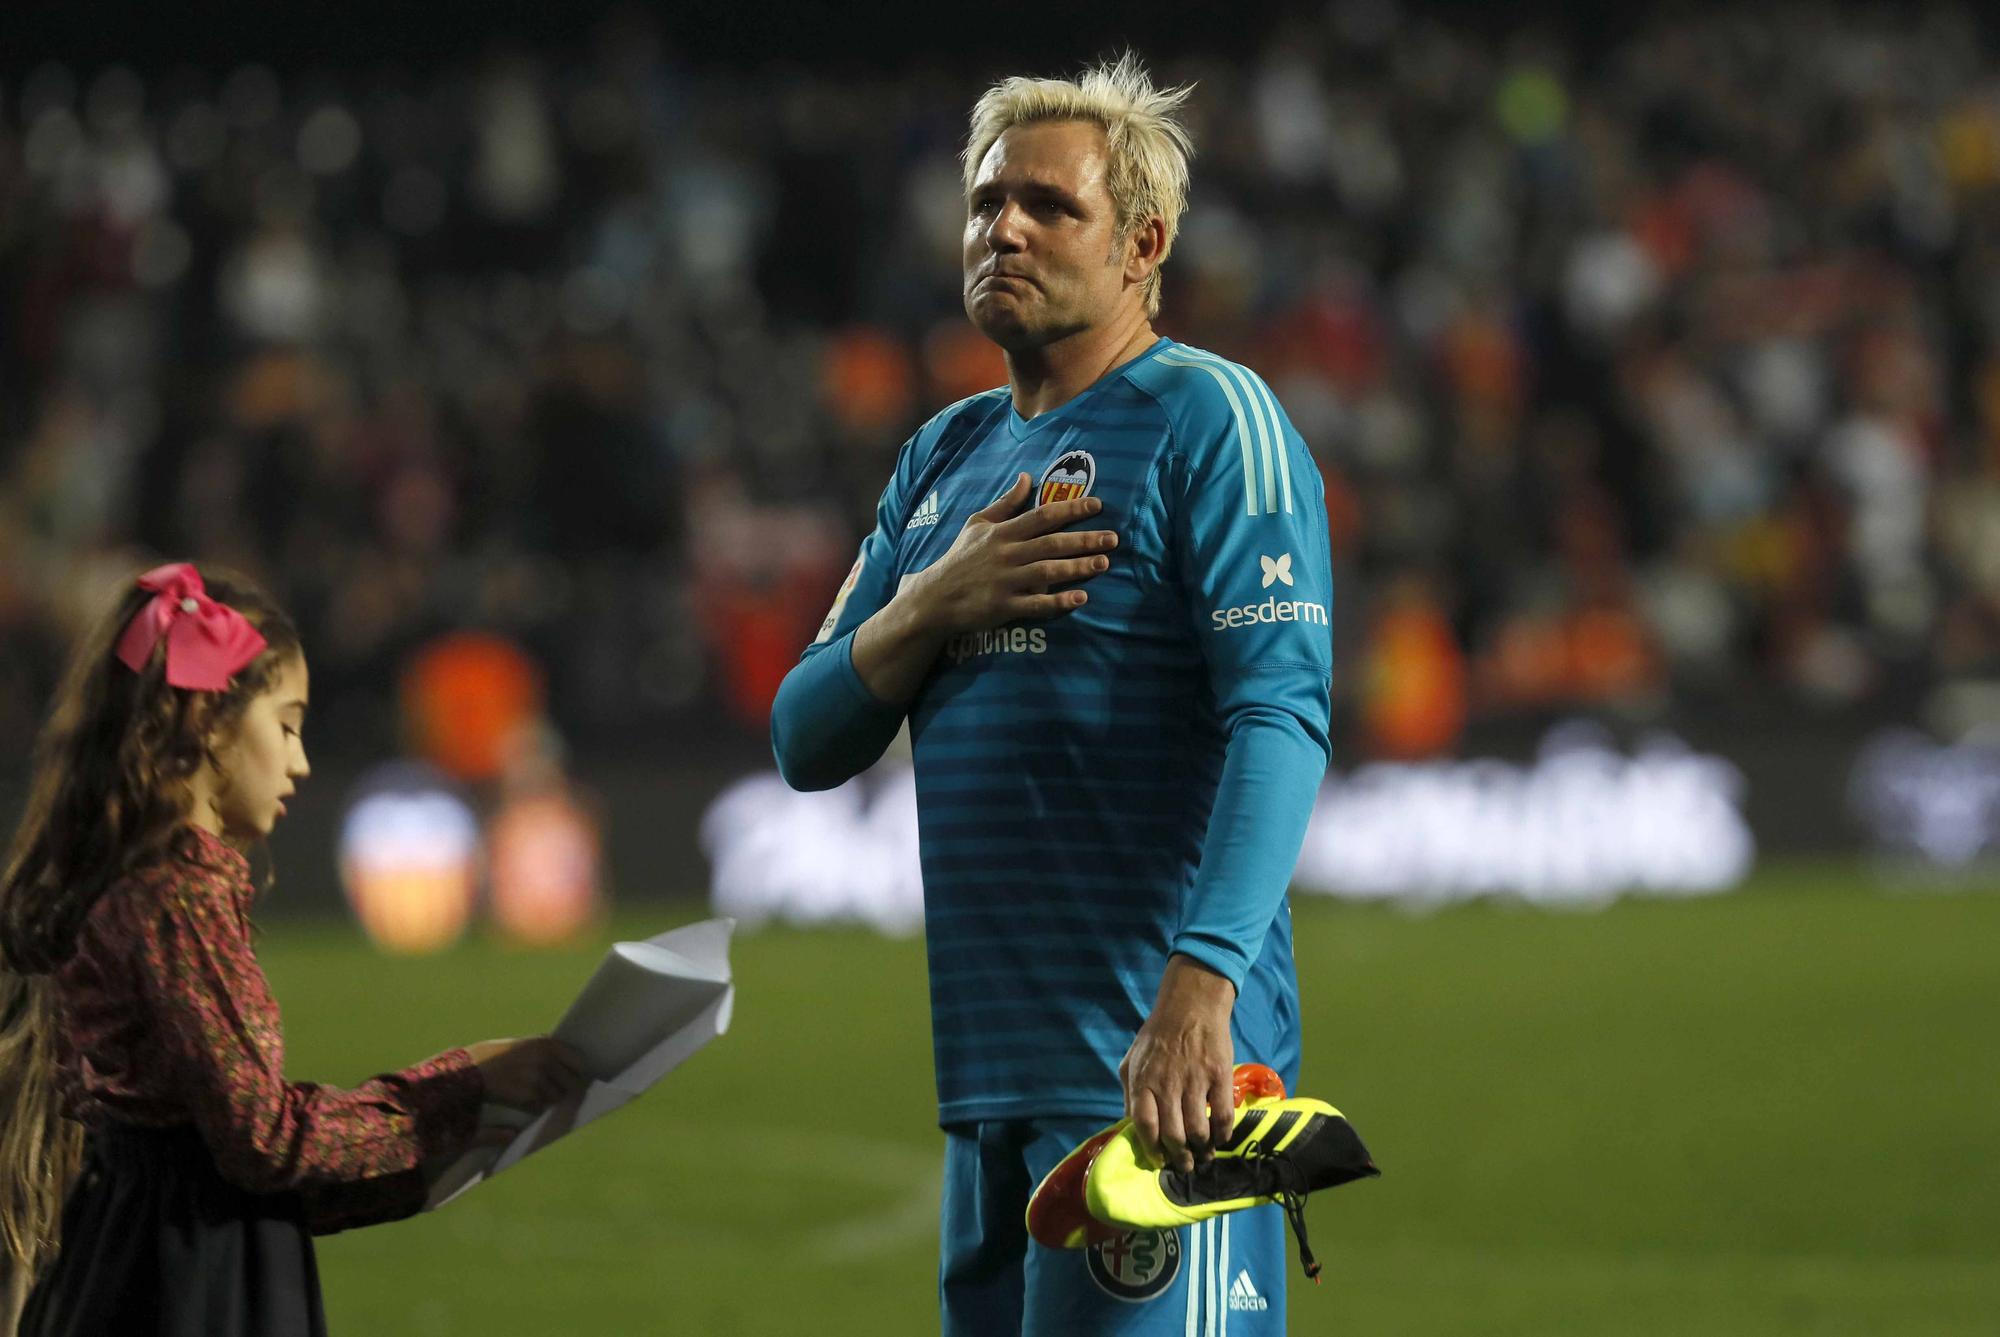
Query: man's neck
<point>1050,376</point>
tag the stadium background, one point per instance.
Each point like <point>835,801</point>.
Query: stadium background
<point>1651,363</point>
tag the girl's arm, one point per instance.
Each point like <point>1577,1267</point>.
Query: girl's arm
<point>332,1208</point>
<point>211,1012</point>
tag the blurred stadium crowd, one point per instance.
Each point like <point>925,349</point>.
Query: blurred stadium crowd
<point>1638,374</point>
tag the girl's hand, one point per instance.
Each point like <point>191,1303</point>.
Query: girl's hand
<point>530,1074</point>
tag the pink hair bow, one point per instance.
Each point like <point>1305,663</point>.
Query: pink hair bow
<point>207,643</point>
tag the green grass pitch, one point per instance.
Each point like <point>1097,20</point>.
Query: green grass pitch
<point>1766,1113</point>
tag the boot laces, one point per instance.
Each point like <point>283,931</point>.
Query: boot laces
<point>1291,1195</point>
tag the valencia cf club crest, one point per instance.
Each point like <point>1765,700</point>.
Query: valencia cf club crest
<point>1068,478</point>
<point>1137,1265</point>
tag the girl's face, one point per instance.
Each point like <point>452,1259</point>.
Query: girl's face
<point>261,763</point>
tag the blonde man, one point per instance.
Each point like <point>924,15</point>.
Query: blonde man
<point>1116,682</point>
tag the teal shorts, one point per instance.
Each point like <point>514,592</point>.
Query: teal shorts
<point>1222,1278</point>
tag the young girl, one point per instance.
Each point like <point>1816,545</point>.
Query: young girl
<point>142,1094</point>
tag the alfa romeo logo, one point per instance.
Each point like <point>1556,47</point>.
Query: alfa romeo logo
<point>1137,1265</point>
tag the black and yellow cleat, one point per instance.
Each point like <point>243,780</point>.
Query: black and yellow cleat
<point>1278,1151</point>
<point>1057,1216</point>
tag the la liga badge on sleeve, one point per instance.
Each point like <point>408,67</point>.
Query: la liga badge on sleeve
<point>840,599</point>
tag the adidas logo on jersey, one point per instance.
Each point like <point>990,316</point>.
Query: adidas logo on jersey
<point>927,514</point>
<point>1243,1296</point>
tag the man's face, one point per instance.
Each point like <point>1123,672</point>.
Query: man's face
<point>1043,258</point>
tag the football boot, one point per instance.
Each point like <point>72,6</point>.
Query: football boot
<point>1279,1150</point>
<point>1057,1216</point>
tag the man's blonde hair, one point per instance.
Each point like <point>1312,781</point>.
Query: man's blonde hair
<point>1147,146</point>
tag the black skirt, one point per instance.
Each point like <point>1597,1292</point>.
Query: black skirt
<point>155,1241</point>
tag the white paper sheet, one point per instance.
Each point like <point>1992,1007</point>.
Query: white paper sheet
<point>649,1006</point>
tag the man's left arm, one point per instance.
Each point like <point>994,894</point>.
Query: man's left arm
<point>1252,550</point>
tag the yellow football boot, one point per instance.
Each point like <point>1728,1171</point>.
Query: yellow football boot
<point>1057,1217</point>
<point>1278,1151</point>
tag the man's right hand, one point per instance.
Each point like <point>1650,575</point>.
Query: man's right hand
<point>999,570</point>
<point>1005,560</point>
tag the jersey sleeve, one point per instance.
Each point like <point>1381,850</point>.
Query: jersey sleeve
<point>826,726</point>
<point>1252,554</point>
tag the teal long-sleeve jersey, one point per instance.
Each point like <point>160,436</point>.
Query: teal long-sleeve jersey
<point>1107,788</point>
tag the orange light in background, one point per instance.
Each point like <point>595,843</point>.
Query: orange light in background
<point>1414,688</point>
<point>961,361</point>
<point>465,695</point>
<point>867,379</point>
<point>543,854</point>
<point>409,860</point>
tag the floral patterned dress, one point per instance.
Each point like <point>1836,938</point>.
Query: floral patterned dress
<point>205,1169</point>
